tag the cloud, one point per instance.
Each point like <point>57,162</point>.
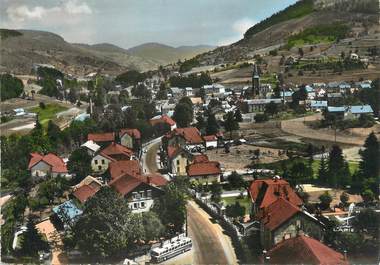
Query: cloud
<point>20,15</point>
<point>239,27</point>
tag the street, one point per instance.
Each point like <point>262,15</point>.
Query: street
<point>210,244</point>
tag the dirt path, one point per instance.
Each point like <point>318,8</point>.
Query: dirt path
<point>297,127</point>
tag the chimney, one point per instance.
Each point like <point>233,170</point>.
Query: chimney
<point>148,180</point>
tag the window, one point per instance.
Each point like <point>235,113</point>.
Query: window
<point>142,205</point>
<point>134,195</point>
<point>96,161</point>
<point>135,205</point>
<point>177,162</point>
<point>142,194</point>
<point>298,223</point>
<point>149,193</point>
<point>103,161</point>
<point>99,167</point>
<point>178,169</point>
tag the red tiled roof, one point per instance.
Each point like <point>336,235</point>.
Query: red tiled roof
<point>134,133</point>
<point>200,158</point>
<point>56,163</point>
<point>156,179</point>
<point>172,151</point>
<point>125,184</point>
<point>101,137</point>
<point>209,138</point>
<point>277,213</point>
<point>115,149</point>
<point>85,192</point>
<point>190,134</point>
<point>266,191</point>
<point>304,250</point>
<point>118,168</point>
<point>163,119</point>
<point>203,169</point>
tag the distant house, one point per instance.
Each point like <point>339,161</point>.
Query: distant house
<point>177,160</point>
<point>263,192</point>
<point>304,250</point>
<point>258,105</point>
<point>351,112</point>
<point>211,141</point>
<point>189,137</point>
<point>139,191</point>
<point>189,91</point>
<point>196,100</point>
<point>204,171</point>
<point>176,92</point>
<point>130,138</point>
<point>167,107</point>
<point>317,105</point>
<point>113,152</point>
<point>129,167</point>
<point>41,166</point>
<point>334,98</point>
<point>214,89</point>
<point>281,220</point>
<point>91,147</point>
<point>163,119</point>
<point>102,139</point>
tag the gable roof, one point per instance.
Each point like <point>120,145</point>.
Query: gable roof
<point>116,149</point>
<point>304,250</point>
<point>134,133</point>
<point>190,134</point>
<point>156,179</point>
<point>266,191</point>
<point>118,168</point>
<point>56,163</point>
<point>126,183</point>
<point>163,119</point>
<point>101,137</point>
<point>203,169</point>
<point>91,145</point>
<point>200,158</point>
<point>278,213</point>
<point>85,192</point>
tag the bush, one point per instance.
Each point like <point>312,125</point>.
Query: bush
<point>261,118</point>
<point>325,199</point>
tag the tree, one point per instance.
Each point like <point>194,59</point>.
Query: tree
<point>212,125</point>
<point>369,166</point>
<point>238,116</point>
<point>371,96</point>
<point>368,196</point>
<point>336,167</point>
<point>79,164</point>
<point>73,95</point>
<point>187,101</point>
<point>107,227</point>
<point>261,117</point>
<point>10,87</point>
<point>367,221</point>
<point>53,132</point>
<point>171,208</point>
<point>141,91</point>
<point>236,180</point>
<point>183,115</point>
<point>325,199</point>
<point>32,241</point>
<point>230,124</point>
<point>271,108</point>
<point>235,210</point>
<point>216,192</point>
<point>153,228</point>
<point>344,198</point>
<point>299,173</point>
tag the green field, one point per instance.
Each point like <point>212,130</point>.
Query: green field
<point>48,113</point>
<point>245,201</point>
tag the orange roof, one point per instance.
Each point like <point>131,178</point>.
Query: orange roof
<point>125,184</point>
<point>304,250</point>
<point>266,191</point>
<point>156,179</point>
<point>203,169</point>
<point>200,158</point>
<point>163,119</point>
<point>190,134</point>
<point>172,151</point>
<point>277,213</point>
<point>209,138</point>
<point>134,133</point>
<point>56,163</point>
<point>101,137</point>
<point>85,192</point>
<point>118,168</point>
<point>115,149</point>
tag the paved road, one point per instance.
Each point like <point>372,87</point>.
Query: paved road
<point>210,244</point>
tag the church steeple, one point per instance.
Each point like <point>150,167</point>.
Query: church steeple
<point>255,81</point>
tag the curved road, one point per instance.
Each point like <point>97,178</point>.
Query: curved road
<point>210,244</point>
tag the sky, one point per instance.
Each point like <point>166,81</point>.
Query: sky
<point>128,23</point>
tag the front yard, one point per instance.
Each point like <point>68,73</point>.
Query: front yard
<point>244,201</point>
<point>48,113</point>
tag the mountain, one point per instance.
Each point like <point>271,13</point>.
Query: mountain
<point>21,49</point>
<point>360,16</point>
<point>164,54</point>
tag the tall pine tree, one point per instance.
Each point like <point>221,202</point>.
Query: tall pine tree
<point>32,242</point>
<point>369,166</point>
<point>336,167</point>
<point>322,173</point>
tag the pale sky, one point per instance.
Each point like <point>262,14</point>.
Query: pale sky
<point>128,23</point>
